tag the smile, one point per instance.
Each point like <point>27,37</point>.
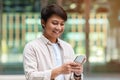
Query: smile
<point>57,32</point>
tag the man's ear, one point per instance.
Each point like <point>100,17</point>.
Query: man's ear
<point>42,23</point>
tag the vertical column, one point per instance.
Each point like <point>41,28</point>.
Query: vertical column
<point>7,26</point>
<point>118,43</point>
<point>29,30</point>
<point>10,43</point>
<point>98,30</point>
<point>80,24</point>
<point>99,25</point>
<point>73,28</point>
<point>87,13</point>
<point>114,46</point>
<point>71,41</point>
<point>4,39</point>
<point>30,23</point>
<point>105,28</point>
<point>1,8</point>
<point>80,31</point>
<point>23,27</point>
<point>92,32</point>
<point>109,44</point>
<point>17,30</point>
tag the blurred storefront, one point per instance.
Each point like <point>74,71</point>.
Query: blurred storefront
<point>21,23</point>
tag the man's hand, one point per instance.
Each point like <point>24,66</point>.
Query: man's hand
<point>67,68</point>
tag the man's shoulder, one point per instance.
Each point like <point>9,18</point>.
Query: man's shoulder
<point>34,42</point>
<point>65,43</point>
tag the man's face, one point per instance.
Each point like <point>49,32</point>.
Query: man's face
<point>53,27</point>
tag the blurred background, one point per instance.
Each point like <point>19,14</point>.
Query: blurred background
<point>92,28</point>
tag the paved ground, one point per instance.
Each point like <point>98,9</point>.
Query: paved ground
<point>87,77</point>
<point>12,77</point>
<point>102,77</point>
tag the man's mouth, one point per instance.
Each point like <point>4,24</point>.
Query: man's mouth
<point>57,32</point>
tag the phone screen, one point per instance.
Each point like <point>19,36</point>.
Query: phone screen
<point>80,59</point>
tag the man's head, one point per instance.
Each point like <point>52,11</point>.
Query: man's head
<point>53,9</point>
<point>53,19</point>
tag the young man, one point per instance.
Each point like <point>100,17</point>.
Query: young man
<point>48,57</point>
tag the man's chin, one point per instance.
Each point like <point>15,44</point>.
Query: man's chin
<point>56,36</point>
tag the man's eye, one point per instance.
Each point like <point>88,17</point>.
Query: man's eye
<point>55,23</point>
<point>62,24</point>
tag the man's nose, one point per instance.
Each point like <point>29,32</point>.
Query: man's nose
<point>58,27</point>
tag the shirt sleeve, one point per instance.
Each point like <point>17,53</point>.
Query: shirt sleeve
<point>30,66</point>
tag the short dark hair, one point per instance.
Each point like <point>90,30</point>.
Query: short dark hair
<point>51,9</point>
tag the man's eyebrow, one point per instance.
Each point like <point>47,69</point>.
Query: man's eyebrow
<point>58,20</point>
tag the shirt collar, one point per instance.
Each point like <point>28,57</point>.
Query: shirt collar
<point>46,41</point>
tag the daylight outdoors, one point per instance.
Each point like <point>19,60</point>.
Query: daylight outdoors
<point>92,28</point>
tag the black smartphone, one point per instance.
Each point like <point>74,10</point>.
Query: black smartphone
<point>80,59</point>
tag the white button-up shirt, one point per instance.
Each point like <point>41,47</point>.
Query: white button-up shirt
<point>38,58</point>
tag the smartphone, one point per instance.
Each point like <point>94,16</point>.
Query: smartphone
<point>80,59</point>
